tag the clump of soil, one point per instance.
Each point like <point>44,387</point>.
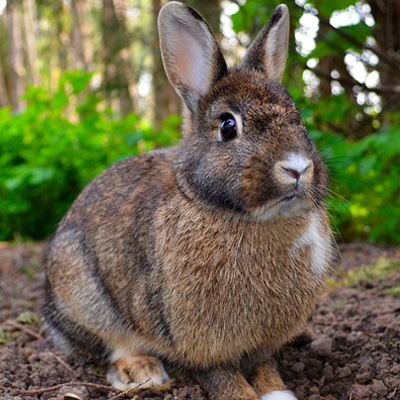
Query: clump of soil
<point>349,350</point>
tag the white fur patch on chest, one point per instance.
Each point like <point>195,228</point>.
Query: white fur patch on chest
<point>318,240</point>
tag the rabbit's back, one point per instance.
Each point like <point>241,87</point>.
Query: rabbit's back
<point>101,273</point>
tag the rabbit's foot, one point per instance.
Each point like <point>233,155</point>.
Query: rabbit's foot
<point>225,384</point>
<point>268,384</point>
<point>137,373</point>
<point>278,395</point>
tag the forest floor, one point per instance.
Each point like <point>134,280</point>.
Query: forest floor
<point>349,350</point>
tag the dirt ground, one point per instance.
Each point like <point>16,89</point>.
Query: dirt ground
<point>349,350</point>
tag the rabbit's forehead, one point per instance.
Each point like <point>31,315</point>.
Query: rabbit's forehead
<point>248,93</point>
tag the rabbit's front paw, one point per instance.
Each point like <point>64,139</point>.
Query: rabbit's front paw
<point>278,395</point>
<point>138,372</point>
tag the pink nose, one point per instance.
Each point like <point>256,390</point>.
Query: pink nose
<point>293,173</point>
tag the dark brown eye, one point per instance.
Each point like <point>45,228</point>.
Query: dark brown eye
<point>228,128</point>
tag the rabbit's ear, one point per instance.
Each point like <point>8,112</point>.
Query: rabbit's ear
<point>191,56</point>
<point>269,50</point>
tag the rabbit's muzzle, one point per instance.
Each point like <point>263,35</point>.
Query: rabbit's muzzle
<point>295,170</point>
<point>288,189</point>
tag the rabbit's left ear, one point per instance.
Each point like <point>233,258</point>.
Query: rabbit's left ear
<point>192,58</point>
<point>269,50</point>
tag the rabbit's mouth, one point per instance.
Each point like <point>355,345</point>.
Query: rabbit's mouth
<point>288,198</point>
<point>290,205</point>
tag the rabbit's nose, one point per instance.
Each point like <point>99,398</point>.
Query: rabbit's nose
<point>292,172</point>
<point>293,168</point>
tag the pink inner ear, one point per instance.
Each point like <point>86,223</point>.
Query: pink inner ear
<point>193,60</point>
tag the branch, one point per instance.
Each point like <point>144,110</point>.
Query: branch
<point>393,62</point>
<point>352,82</point>
<point>22,328</point>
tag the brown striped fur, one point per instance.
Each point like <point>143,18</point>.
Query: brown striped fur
<point>197,254</point>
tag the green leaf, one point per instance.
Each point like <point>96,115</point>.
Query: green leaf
<point>28,318</point>
<point>327,8</point>
<point>393,291</point>
<point>40,175</point>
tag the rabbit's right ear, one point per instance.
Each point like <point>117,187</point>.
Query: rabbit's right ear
<point>269,50</point>
<point>191,56</point>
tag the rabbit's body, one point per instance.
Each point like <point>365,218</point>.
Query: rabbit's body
<point>197,285</point>
<point>210,254</point>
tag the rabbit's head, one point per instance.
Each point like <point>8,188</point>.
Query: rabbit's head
<point>244,146</point>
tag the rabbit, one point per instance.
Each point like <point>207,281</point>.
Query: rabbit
<point>208,255</point>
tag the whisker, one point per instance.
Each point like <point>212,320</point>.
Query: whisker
<point>335,194</point>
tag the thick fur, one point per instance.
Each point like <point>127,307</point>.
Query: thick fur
<point>199,254</point>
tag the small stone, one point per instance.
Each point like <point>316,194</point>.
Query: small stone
<point>328,373</point>
<point>322,347</point>
<point>5,382</point>
<point>344,372</point>
<point>73,392</point>
<point>298,367</point>
<point>360,390</point>
<point>364,377</point>
<point>378,387</point>
<point>395,370</point>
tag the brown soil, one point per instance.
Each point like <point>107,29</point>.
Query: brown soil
<point>349,350</point>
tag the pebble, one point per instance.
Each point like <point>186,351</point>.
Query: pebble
<point>298,367</point>
<point>322,347</point>
<point>343,372</point>
<point>378,387</point>
<point>328,373</point>
<point>395,370</point>
<point>360,390</point>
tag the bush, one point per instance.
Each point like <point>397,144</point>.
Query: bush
<point>46,159</point>
<point>364,198</point>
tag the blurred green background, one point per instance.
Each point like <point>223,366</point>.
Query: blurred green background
<point>82,86</point>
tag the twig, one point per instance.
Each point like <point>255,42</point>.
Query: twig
<point>53,388</point>
<point>60,360</point>
<point>129,390</point>
<point>24,329</point>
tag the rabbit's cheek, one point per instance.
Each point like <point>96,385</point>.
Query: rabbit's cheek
<point>259,185</point>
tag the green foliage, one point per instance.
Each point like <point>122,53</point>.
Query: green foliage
<point>328,7</point>
<point>365,187</point>
<point>382,268</point>
<point>28,318</point>
<point>5,335</point>
<point>46,159</point>
<point>253,14</point>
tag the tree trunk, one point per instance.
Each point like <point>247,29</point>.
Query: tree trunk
<point>165,99</point>
<point>4,102</point>
<point>30,21</point>
<point>387,35</point>
<point>80,36</point>
<point>17,84</point>
<point>118,69</point>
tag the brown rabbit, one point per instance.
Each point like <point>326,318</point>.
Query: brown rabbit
<point>209,255</point>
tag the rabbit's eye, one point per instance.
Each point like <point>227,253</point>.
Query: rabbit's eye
<point>228,128</point>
